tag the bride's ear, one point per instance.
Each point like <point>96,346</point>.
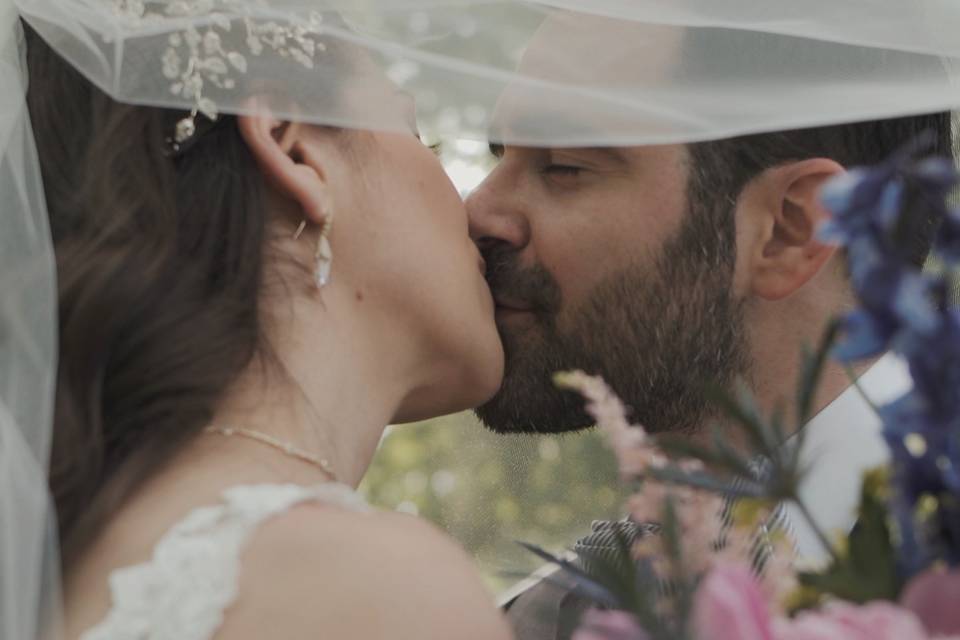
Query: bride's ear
<point>281,151</point>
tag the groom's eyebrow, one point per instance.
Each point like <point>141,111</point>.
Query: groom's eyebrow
<point>545,125</point>
<point>614,154</point>
<point>528,123</point>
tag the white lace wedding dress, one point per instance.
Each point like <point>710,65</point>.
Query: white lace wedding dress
<point>183,591</point>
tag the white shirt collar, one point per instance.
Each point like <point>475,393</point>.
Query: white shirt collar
<point>841,442</point>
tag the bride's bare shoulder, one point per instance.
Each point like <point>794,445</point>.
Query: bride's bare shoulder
<point>319,571</point>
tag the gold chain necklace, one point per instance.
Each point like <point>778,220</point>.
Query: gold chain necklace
<point>285,447</point>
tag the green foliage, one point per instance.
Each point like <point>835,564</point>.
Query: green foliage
<point>865,569</point>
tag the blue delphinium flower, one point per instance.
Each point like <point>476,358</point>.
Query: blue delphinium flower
<point>904,310</point>
<point>948,239</point>
<point>864,203</point>
<point>867,205</point>
<point>936,178</point>
<point>892,299</point>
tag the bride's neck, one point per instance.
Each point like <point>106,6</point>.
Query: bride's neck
<point>330,383</point>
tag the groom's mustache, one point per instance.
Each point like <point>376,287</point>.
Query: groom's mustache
<point>528,288</point>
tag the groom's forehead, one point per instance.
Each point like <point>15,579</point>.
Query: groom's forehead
<point>574,135</point>
<point>570,69</point>
<point>599,51</point>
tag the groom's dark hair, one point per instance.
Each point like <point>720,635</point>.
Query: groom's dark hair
<point>721,169</point>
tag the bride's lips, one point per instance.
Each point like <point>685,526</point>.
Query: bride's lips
<point>505,309</point>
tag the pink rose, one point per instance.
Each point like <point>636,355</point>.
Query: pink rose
<point>840,620</point>
<point>935,597</point>
<point>729,605</point>
<point>609,625</point>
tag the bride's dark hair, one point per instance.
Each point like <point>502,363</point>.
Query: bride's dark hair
<point>160,262</point>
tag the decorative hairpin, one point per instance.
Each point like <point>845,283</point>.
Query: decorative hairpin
<point>187,131</point>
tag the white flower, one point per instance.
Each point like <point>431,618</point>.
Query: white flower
<point>193,86</point>
<point>135,8</point>
<point>171,63</point>
<point>214,65</point>
<point>302,58</point>
<point>178,8</point>
<point>193,37</point>
<point>211,42</point>
<point>208,107</point>
<point>221,21</point>
<point>238,61</point>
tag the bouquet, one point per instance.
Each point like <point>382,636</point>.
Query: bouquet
<point>717,570</point>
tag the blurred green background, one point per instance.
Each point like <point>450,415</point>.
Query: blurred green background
<point>489,490</point>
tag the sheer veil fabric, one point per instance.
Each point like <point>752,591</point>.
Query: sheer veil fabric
<point>545,73</point>
<point>612,71</point>
<point>29,580</point>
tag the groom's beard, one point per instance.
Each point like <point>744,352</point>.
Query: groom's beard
<point>659,335</point>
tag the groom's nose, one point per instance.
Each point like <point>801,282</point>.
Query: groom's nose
<point>496,214</point>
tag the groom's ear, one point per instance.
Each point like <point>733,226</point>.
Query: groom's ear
<point>286,155</point>
<point>777,217</point>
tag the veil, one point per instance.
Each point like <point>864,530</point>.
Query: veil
<point>535,72</point>
<point>613,72</point>
<point>29,579</point>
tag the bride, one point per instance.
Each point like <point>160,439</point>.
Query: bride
<point>244,304</point>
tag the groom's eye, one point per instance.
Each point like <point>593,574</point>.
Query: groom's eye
<point>562,175</point>
<point>562,167</point>
<point>562,170</point>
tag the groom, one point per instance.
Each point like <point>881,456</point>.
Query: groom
<point>668,268</point>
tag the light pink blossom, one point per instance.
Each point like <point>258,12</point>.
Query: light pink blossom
<point>634,449</point>
<point>779,579</point>
<point>935,597</point>
<point>609,625</point>
<point>729,605</point>
<point>698,512</point>
<point>841,620</point>
<point>700,523</point>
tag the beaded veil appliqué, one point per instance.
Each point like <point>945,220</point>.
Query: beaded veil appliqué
<point>197,56</point>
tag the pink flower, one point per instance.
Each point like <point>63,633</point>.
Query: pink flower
<point>729,605</point>
<point>634,449</point>
<point>840,620</point>
<point>609,625</point>
<point>935,597</point>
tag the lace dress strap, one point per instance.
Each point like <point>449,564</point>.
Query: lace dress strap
<point>183,592</point>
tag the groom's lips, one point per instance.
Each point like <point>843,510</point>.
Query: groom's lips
<point>506,309</point>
